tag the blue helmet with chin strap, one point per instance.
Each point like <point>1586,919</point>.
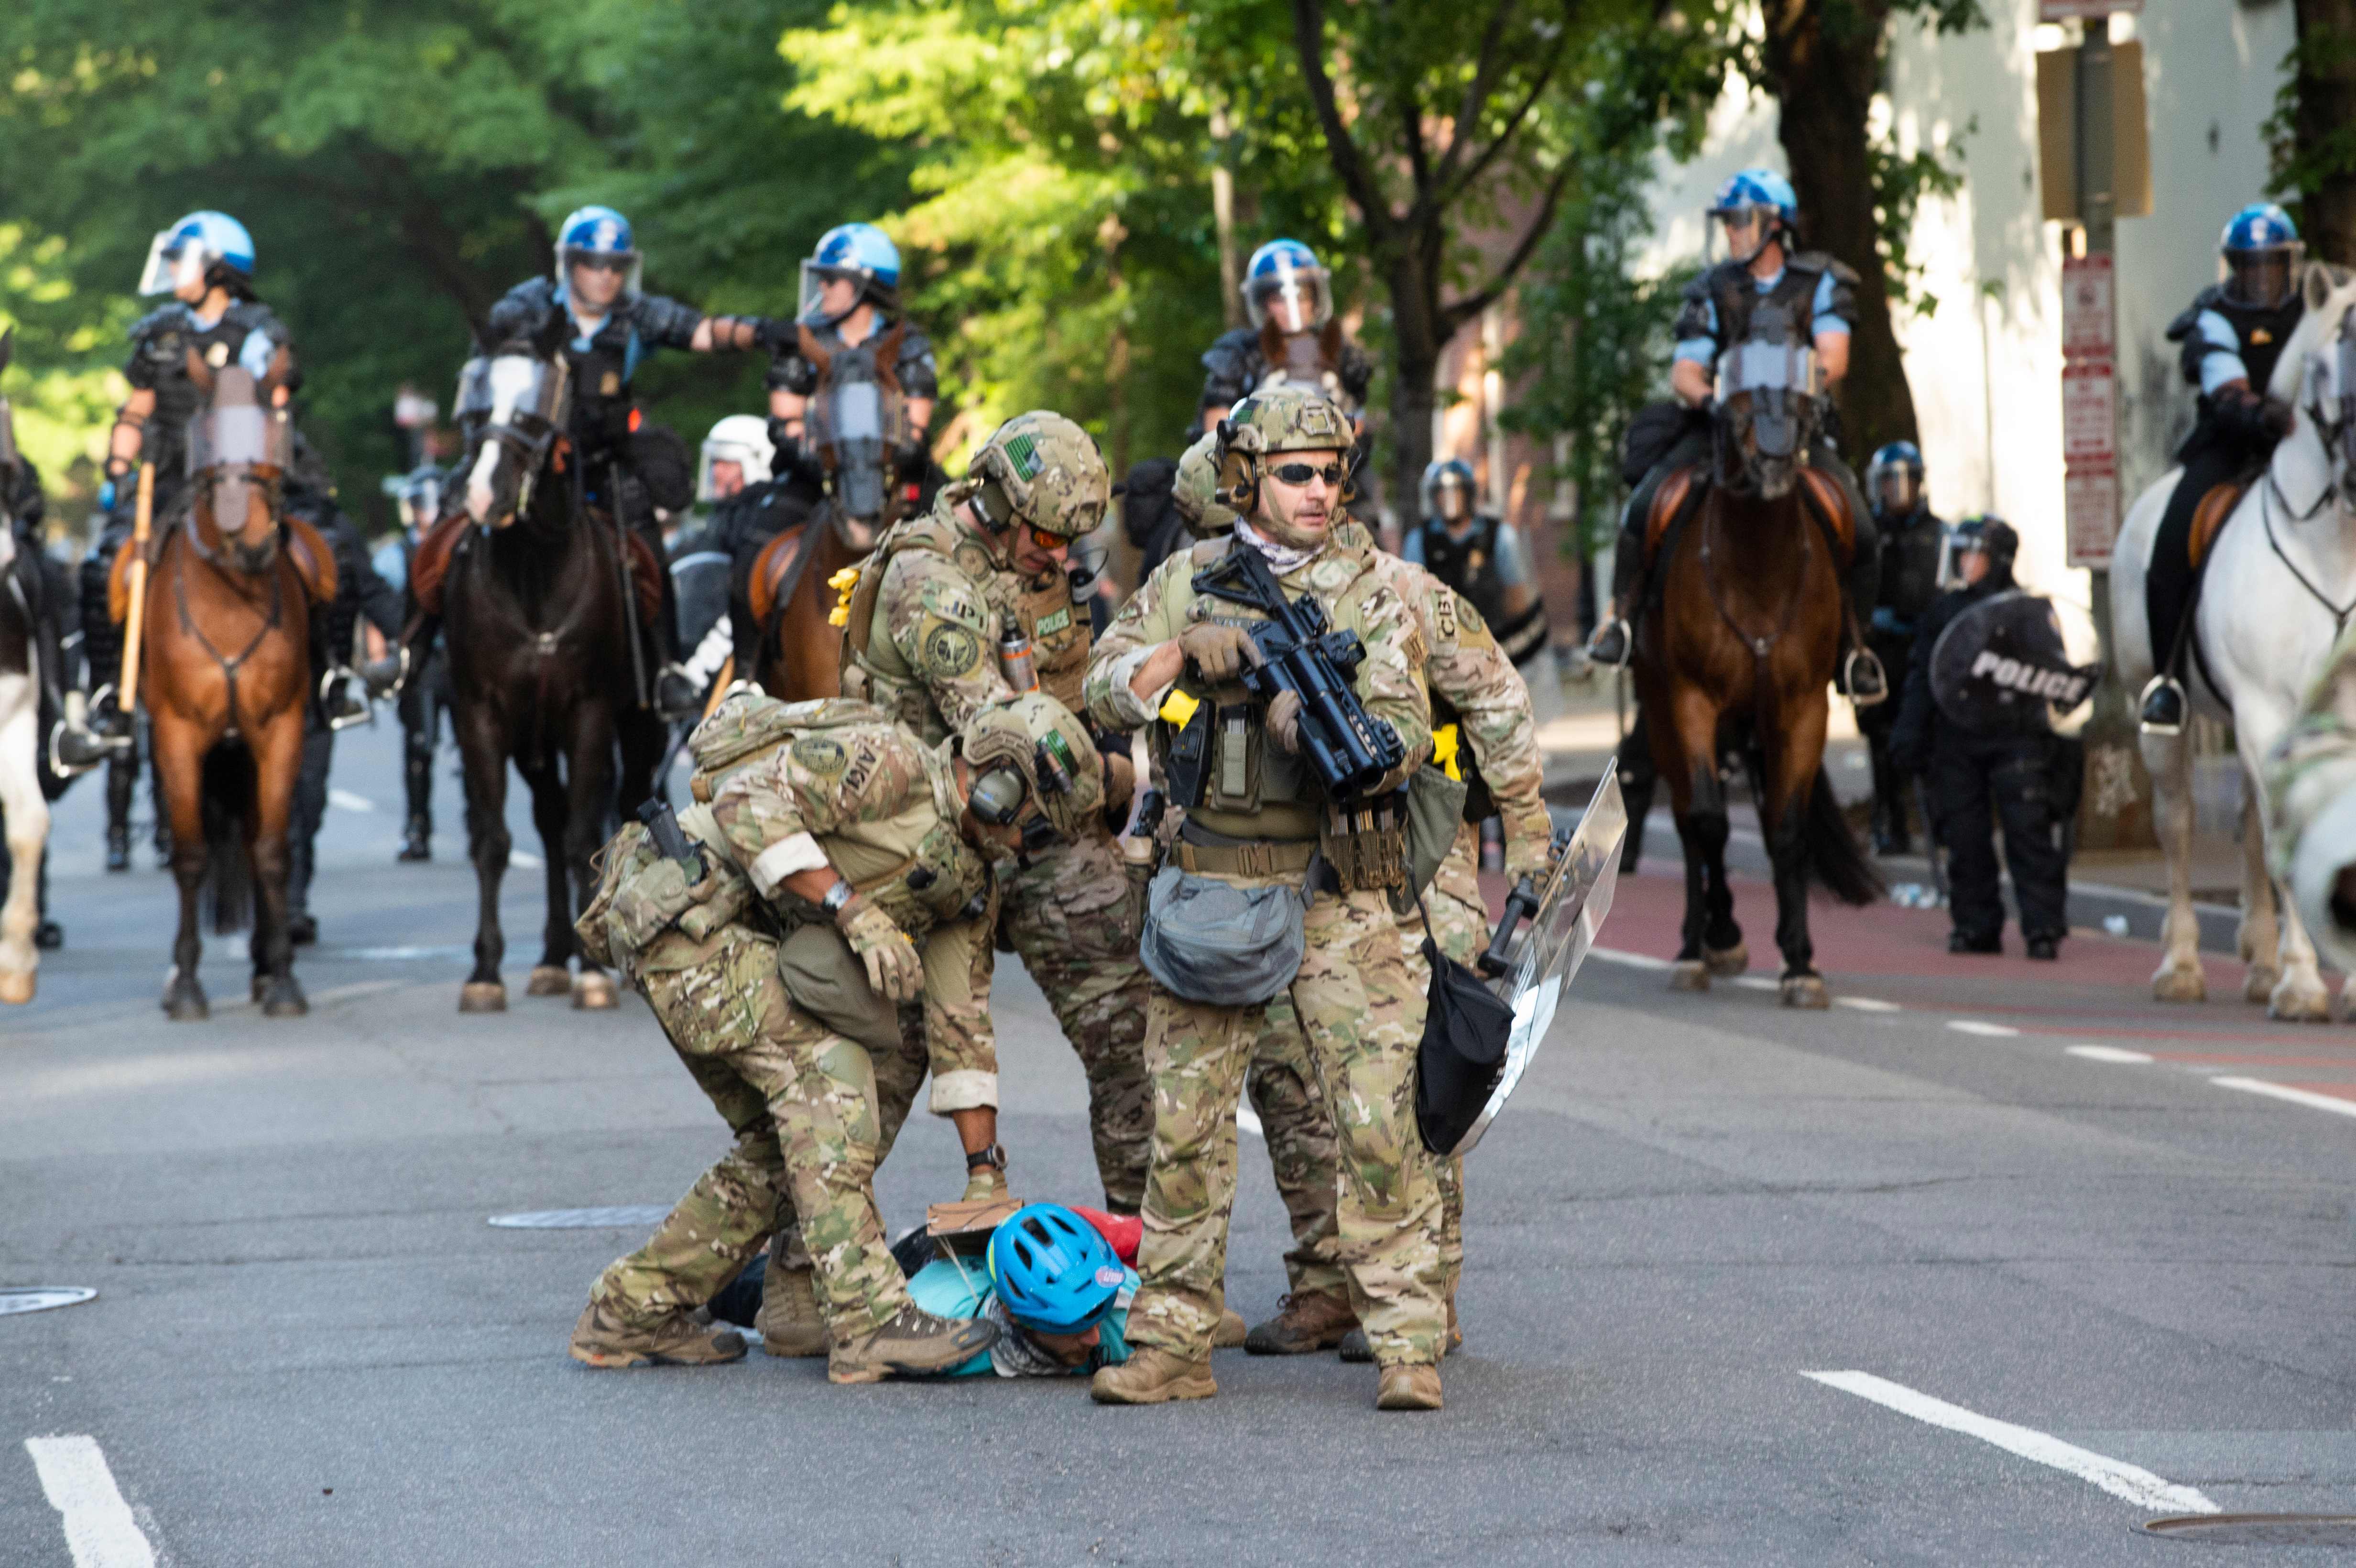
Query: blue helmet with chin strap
<point>860,252</point>
<point>1052,1270</point>
<point>188,250</point>
<point>599,237</point>
<point>1762,191</point>
<point>2261,250</point>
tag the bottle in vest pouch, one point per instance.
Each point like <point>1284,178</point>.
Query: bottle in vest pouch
<point>1014,660</point>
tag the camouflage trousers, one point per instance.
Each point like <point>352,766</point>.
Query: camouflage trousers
<point>1072,918</point>
<point>814,1114</point>
<point>1299,1130</point>
<point>1359,1004</point>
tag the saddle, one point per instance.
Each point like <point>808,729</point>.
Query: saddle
<point>777,572</point>
<point>429,568</point>
<point>2209,516</point>
<point>315,564</point>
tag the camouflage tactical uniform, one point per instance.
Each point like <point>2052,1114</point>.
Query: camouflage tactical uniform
<point>924,626</point>
<point>1359,993</point>
<point>2311,783</point>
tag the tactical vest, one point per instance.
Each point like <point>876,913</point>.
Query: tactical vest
<point>916,866</point>
<point>2263,330</point>
<point>164,339</point>
<point>1305,359</point>
<point>1736,295</point>
<point>1911,549</point>
<point>1468,565</point>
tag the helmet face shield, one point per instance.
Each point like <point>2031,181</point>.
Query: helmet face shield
<point>1743,231</point>
<point>2265,276</point>
<point>1896,488</point>
<point>814,307</point>
<point>1298,298</point>
<point>173,263</point>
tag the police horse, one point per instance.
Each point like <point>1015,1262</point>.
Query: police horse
<point>2277,588</point>
<point>1750,550</point>
<point>530,585</point>
<point>23,809</point>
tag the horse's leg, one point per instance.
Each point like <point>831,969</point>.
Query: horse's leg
<point>1698,797</point>
<point>2300,995</point>
<point>2259,936</point>
<point>26,818</point>
<point>589,796</point>
<point>551,976</point>
<point>277,764</point>
<point>2178,977</point>
<point>1792,764</point>
<point>482,745</point>
<point>178,749</point>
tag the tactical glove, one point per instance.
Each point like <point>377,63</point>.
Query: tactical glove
<point>1218,650</point>
<point>1284,721</point>
<point>893,970</point>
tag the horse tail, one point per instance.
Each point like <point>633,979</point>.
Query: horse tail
<point>227,804</point>
<point>1833,852</point>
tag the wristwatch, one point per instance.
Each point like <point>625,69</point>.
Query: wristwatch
<point>836,897</point>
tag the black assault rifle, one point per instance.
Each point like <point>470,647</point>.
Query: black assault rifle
<point>1296,650</point>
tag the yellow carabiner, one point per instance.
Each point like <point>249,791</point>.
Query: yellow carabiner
<point>844,583</point>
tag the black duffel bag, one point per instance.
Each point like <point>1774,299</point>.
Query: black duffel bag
<point>1463,1055</point>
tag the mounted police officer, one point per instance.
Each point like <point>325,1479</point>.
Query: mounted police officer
<point>1967,758</point>
<point>426,696</point>
<point>1913,548</point>
<point>750,505</point>
<point>853,387</point>
<point>1804,299</point>
<point>2230,336</point>
<point>594,284</point>
<point>1293,340</point>
<point>1481,557</point>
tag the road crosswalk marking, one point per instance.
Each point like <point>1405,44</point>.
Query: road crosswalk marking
<point>99,1531</point>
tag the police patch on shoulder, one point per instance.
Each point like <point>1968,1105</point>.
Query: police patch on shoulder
<point>951,650</point>
<point>819,754</point>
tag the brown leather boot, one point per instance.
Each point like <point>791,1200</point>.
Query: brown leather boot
<point>789,1320</point>
<point>912,1342</point>
<point>602,1339</point>
<point>1411,1387</point>
<point>1303,1325</point>
<point>1152,1376</point>
<point>1230,1331</point>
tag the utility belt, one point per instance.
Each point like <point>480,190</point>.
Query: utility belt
<point>1200,851</point>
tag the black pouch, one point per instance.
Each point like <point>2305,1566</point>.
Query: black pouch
<point>1465,1028</point>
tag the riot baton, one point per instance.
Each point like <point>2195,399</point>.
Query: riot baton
<point>1931,839</point>
<point>126,698</point>
<point>629,588</point>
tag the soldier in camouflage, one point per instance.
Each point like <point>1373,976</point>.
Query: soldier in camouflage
<point>2311,783</point>
<point>1262,821</point>
<point>927,637</point>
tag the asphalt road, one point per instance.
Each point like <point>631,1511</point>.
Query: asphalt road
<point>308,1346</point>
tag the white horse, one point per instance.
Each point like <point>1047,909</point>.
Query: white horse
<point>2278,587</point>
<point>23,809</point>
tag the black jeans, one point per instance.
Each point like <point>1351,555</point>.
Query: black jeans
<point>2013,772</point>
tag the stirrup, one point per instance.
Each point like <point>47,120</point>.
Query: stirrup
<point>95,749</point>
<point>381,684</point>
<point>2161,705</point>
<point>1599,650</point>
<point>340,718</point>
<point>1865,660</point>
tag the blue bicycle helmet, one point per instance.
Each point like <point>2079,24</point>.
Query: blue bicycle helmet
<point>188,251</point>
<point>858,251</point>
<point>596,233</point>
<point>1288,271</point>
<point>1054,1271</point>
<point>1761,190</point>
<point>2262,251</point>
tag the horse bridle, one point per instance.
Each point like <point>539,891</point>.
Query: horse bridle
<point>229,665</point>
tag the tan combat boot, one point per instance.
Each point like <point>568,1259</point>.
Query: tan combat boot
<point>1230,1331</point>
<point>602,1339</point>
<point>1152,1376</point>
<point>789,1320</point>
<point>1415,1386</point>
<point>911,1343</point>
<point>1305,1323</point>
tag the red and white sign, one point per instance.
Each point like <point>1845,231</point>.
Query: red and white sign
<point>2087,318</point>
<point>2088,412</point>
<point>2090,509</point>
<point>2064,10</point>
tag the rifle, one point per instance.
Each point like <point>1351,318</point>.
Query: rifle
<point>670,840</point>
<point>1297,650</point>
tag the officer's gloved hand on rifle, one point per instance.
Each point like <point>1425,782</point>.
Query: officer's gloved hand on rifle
<point>1284,721</point>
<point>1218,650</point>
<point>893,970</point>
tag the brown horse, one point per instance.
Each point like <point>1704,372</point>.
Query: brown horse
<point>225,671</point>
<point>793,597</point>
<point>1740,656</point>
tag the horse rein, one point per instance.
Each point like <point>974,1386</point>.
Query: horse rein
<point>228,667</point>
<point>2266,514</point>
<point>1760,647</point>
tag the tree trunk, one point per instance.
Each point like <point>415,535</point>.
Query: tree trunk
<point>1824,79</point>
<point>1417,343</point>
<point>2327,108</point>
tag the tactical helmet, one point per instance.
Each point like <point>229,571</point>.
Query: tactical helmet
<point>599,236</point>
<point>1042,469</point>
<point>188,252</point>
<point>1450,471</point>
<point>2262,251</point>
<point>1896,461</point>
<point>1285,418</point>
<point>1033,764</point>
<point>1196,493</point>
<point>858,251</point>
<point>1288,270</point>
<point>1052,1271</point>
<point>1758,190</point>
<point>743,439</point>
<point>1991,536</point>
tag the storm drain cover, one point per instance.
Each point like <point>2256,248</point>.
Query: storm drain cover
<point>622,1216</point>
<point>2259,1528</point>
<point>41,1297</point>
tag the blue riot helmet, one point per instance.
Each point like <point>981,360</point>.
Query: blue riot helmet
<point>1052,1271</point>
<point>598,236</point>
<point>2262,251</point>
<point>1287,272</point>
<point>188,252</point>
<point>1447,489</point>
<point>1894,480</point>
<point>858,251</point>
<point>1754,207</point>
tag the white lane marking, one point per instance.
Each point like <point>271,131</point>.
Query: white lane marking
<point>1633,960</point>
<point>1247,1120</point>
<point>2307,1097</point>
<point>1867,1004</point>
<point>2107,1053</point>
<point>346,800</point>
<point>356,988</point>
<point>619,1216</point>
<point>99,1531</point>
<point>1973,1026</point>
<point>2121,1479</point>
<point>529,862</point>
<point>1758,982</point>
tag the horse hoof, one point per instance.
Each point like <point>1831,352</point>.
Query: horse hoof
<point>549,980</point>
<point>482,997</point>
<point>184,1000</point>
<point>1731,960</point>
<point>283,1000</point>
<point>17,989</point>
<point>1688,975</point>
<point>2293,1002</point>
<point>261,988</point>
<point>2186,983</point>
<point>1805,991</point>
<point>2260,983</point>
<point>593,992</point>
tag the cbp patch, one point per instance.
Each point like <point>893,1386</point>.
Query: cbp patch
<point>819,754</point>
<point>951,650</point>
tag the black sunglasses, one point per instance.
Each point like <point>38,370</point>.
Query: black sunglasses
<point>1301,474</point>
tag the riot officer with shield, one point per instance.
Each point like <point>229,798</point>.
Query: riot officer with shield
<point>1913,545</point>
<point>1987,671</point>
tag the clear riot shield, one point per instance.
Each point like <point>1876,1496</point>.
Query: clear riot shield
<point>1570,911</point>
